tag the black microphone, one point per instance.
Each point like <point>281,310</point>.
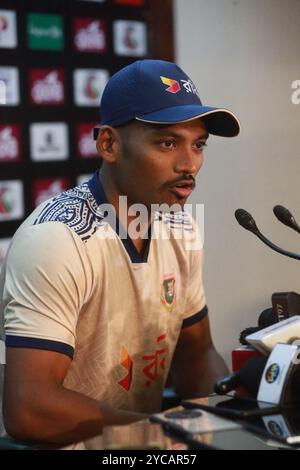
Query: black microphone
<point>267,318</point>
<point>285,217</point>
<point>246,332</point>
<point>246,221</point>
<point>249,376</point>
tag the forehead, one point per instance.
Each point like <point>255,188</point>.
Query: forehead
<point>194,127</point>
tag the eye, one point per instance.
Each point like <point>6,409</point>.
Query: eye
<point>168,144</point>
<point>200,145</point>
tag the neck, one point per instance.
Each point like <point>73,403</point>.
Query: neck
<point>113,197</point>
<point>110,190</point>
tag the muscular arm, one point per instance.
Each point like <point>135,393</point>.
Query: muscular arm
<point>38,407</point>
<point>196,364</point>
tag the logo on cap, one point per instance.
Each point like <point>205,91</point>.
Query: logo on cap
<point>174,86</point>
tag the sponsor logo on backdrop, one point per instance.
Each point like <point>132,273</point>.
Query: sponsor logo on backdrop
<point>46,86</point>
<point>88,86</point>
<point>11,200</point>
<point>45,32</point>
<point>44,189</point>
<point>86,146</point>
<point>130,38</point>
<point>89,35</point>
<point>9,86</point>
<point>8,30</point>
<point>9,143</point>
<point>4,244</point>
<point>49,141</point>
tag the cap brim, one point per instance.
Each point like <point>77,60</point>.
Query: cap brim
<point>218,121</point>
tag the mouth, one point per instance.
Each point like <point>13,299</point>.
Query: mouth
<point>182,189</point>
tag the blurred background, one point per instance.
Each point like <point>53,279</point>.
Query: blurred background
<point>55,59</point>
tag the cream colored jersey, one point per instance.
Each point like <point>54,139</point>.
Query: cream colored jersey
<point>67,286</point>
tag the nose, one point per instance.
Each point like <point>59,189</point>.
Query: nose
<point>188,161</point>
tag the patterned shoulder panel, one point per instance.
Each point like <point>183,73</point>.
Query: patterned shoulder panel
<point>75,208</point>
<point>179,220</point>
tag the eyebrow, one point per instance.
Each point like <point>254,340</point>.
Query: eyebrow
<point>167,131</point>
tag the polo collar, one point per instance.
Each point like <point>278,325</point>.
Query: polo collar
<point>99,195</point>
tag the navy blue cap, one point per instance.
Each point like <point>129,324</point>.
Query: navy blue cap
<point>159,92</point>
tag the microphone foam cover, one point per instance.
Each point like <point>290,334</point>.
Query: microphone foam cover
<point>251,374</point>
<point>267,318</point>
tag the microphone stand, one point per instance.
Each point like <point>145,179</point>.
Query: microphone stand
<point>247,222</point>
<point>275,247</point>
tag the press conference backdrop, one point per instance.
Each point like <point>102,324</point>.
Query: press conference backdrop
<point>244,55</point>
<point>55,59</point>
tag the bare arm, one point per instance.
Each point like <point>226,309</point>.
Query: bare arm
<point>196,365</point>
<point>38,407</point>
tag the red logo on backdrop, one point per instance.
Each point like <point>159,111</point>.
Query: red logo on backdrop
<point>131,2</point>
<point>46,86</point>
<point>3,23</point>
<point>44,189</point>
<point>86,146</point>
<point>89,35</point>
<point>9,143</point>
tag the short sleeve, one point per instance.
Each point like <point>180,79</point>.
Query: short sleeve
<point>45,285</point>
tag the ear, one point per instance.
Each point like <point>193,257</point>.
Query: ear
<point>108,144</point>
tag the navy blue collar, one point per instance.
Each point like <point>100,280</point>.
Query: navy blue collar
<point>97,191</point>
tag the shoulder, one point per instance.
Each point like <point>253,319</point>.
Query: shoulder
<point>75,208</point>
<point>181,228</point>
<point>53,243</point>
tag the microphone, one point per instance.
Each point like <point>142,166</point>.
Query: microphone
<point>280,380</point>
<point>267,318</point>
<point>247,222</point>
<point>246,332</point>
<point>248,376</point>
<point>285,217</point>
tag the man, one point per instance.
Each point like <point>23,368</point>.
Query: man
<point>95,319</point>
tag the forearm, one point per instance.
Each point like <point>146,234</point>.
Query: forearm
<point>62,416</point>
<point>196,376</point>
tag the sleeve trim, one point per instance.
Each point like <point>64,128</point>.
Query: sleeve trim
<point>37,343</point>
<point>195,318</point>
